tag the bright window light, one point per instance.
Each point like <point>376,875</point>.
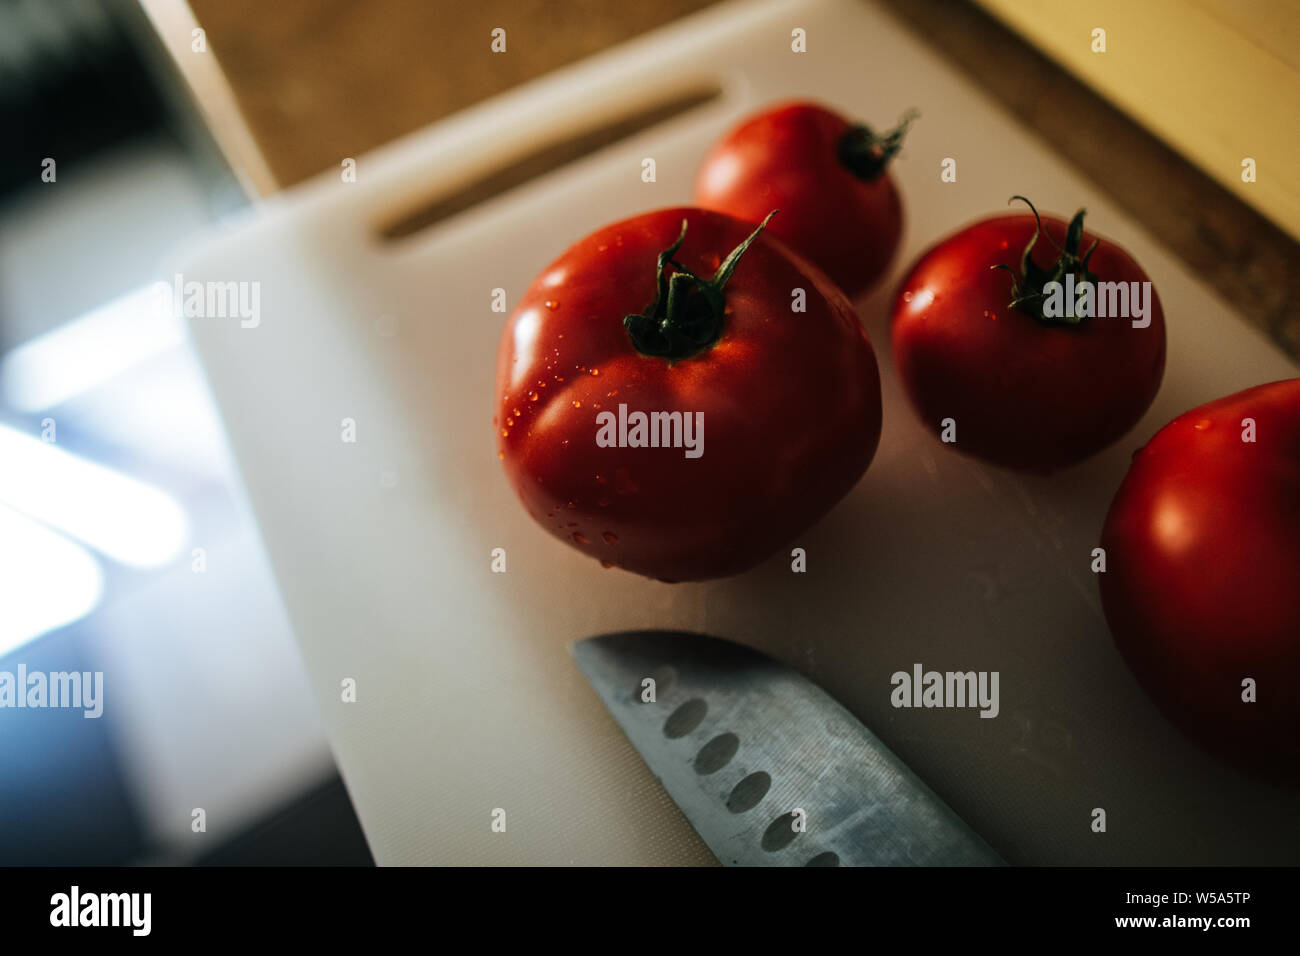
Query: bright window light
<point>46,581</point>
<point>125,519</point>
<point>91,350</point>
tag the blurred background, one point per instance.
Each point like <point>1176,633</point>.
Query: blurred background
<point>125,543</point>
<point>113,471</point>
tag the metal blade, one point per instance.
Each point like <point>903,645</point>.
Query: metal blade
<point>741,743</point>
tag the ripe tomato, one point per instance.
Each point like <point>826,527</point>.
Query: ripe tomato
<point>627,321</point>
<point>1202,580</point>
<point>1026,389</point>
<point>839,205</point>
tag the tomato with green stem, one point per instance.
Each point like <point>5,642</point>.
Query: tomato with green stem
<point>696,313</point>
<point>1004,366</point>
<point>829,176</point>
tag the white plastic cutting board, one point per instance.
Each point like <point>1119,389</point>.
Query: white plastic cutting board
<point>467,698</point>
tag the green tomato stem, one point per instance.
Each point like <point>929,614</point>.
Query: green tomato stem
<point>688,313</point>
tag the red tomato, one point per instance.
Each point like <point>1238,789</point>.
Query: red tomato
<point>1202,580</point>
<point>678,311</point>
<point>1023,389</point>
<point>839,206</point>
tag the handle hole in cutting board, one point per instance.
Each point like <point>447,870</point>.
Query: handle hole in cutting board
<point>550,155</point>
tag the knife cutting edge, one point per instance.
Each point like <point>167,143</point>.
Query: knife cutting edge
<point>767,767</point>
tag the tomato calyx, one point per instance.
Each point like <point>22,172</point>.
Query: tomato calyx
<point>1028,291</point>
<point>865,153</point>
<point>687,313</point>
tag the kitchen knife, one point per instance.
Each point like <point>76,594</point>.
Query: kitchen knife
<point>767,766</point>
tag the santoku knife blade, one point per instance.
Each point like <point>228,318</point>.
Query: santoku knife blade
<point>767,767</point>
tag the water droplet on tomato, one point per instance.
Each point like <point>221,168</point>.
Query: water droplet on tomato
<point>610,537</point>
<point>552,304</point>
<point>578,538</point>
<point>603,502</point>
<point>577,404</point>
<point>505,433</point>
<point>606,565</point>
<point>1203,425</point>
<point>907,296</point>
<point>601,479</point>
<point>532,396</point>
<point>595,371</point>
<point>501,455</point>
